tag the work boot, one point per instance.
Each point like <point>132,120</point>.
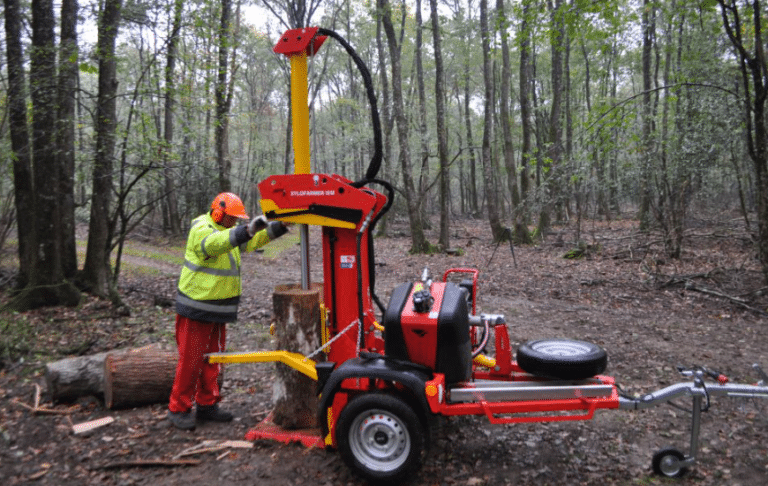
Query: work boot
<point>182,420</point>
<point>213,413</point>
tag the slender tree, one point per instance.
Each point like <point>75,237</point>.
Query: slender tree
<point>96,275</point>
<point>754,78</point>
<point>174,219</point>
<point>497,230</point>
<point>442,134</point>
<point>419,243</point>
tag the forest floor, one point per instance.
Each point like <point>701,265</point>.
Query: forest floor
<point>650,313</point>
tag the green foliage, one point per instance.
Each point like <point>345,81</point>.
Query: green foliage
<point>17,338</point>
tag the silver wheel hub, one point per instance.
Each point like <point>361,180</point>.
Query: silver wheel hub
<point>379,440</point>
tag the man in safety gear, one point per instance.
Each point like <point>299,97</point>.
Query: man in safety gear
<point>208,297</point>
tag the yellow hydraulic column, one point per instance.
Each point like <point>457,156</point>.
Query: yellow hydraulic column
<point>300,113</point>
<point>298,45</point>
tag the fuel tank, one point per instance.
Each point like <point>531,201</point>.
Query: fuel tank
<point>430,326</point>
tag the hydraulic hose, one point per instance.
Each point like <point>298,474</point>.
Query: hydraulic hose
<point>375,164</point>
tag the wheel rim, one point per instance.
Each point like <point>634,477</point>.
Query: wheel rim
<point>552,347</point>
<point>379,440</point>
<point>670,465</point>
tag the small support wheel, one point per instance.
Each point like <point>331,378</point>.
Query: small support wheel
<point>668,462</point>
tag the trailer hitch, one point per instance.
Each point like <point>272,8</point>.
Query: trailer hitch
<point>671,462</point>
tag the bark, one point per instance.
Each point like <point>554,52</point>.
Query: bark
<point>47,284</point>
<point>65,134</point>
<point>423,133</point>
<point>174,219</point>
<point>442,135</point>
<point>550,180</point>
<point>96,276</point>
<point>468,124</point>
<point>139,377</point>
<point>645,188</point>
<point>506,122</point>
<point>297,323</point>
<point>525,101</point>
<point>223,161</point>
<point>419,243</point>
<point>24,195</point>
<point>71,378</point>
<point>498,232</point>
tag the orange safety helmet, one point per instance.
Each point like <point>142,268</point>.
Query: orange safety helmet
<point>229,204</point>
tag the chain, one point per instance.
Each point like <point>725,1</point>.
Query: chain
<point>318,350</point>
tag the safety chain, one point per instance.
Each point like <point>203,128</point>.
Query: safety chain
<point>318,350</point>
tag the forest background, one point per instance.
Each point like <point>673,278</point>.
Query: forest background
<point>125,116</point>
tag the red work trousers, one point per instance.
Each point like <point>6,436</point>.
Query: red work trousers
<point>196,380</point>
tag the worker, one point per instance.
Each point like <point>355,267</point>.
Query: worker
<point>207,298</point>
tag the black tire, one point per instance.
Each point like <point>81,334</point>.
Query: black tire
<point>381,438</point>
<point>668,463</point>
<point>564,359</point>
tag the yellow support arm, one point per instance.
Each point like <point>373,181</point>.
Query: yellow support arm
<point>297,361</point>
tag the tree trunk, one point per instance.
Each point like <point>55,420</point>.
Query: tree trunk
<point>65,134</point>
<point>506,123</point>
<point>442,136</point>
<point>473,201</point>
<point>526,152</point>
<point>222,100</point>
<point>24,193</point>
<point>419,243</point>
<point>174,219</point>
<point>645,188</point>
<point>497,230</point>
<point>47,285</point>
<point>297,323</point>
<point>97,271</point>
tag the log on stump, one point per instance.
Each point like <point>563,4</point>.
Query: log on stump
<point>297,328</point>
<point>139,377</point>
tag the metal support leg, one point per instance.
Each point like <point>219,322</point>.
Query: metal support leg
<point>695,428</point>
<point>304,235</point>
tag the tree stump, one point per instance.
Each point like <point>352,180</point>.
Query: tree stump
<point>297,328</point>
<point>139,377</point>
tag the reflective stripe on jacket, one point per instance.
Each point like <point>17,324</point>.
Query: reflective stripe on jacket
<point>209,284</point>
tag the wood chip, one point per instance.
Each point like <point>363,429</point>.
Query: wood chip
<point>93,424</point>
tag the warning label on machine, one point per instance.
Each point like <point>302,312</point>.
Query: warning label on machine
<point>347,261</point>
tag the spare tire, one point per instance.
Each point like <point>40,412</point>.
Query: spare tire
<point>565,359</point>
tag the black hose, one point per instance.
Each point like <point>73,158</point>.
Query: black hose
<point>375,164</point>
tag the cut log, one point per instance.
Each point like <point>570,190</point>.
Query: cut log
<point>71,378</point>
<point>139,377</point>
<point>297,328</point>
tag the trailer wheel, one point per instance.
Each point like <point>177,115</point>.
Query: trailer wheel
<point>381,438</point>
<point>668,462</point>
<point>565,359</point>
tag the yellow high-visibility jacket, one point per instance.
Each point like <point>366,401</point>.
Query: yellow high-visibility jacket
<point>209,284</point>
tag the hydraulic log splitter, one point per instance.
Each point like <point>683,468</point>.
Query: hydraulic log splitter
<point>381,382</point>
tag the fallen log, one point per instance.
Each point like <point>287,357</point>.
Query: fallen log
<point>72,378</point>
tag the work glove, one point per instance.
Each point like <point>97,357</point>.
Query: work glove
<point>276,229</point>
<point>257,224</point>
